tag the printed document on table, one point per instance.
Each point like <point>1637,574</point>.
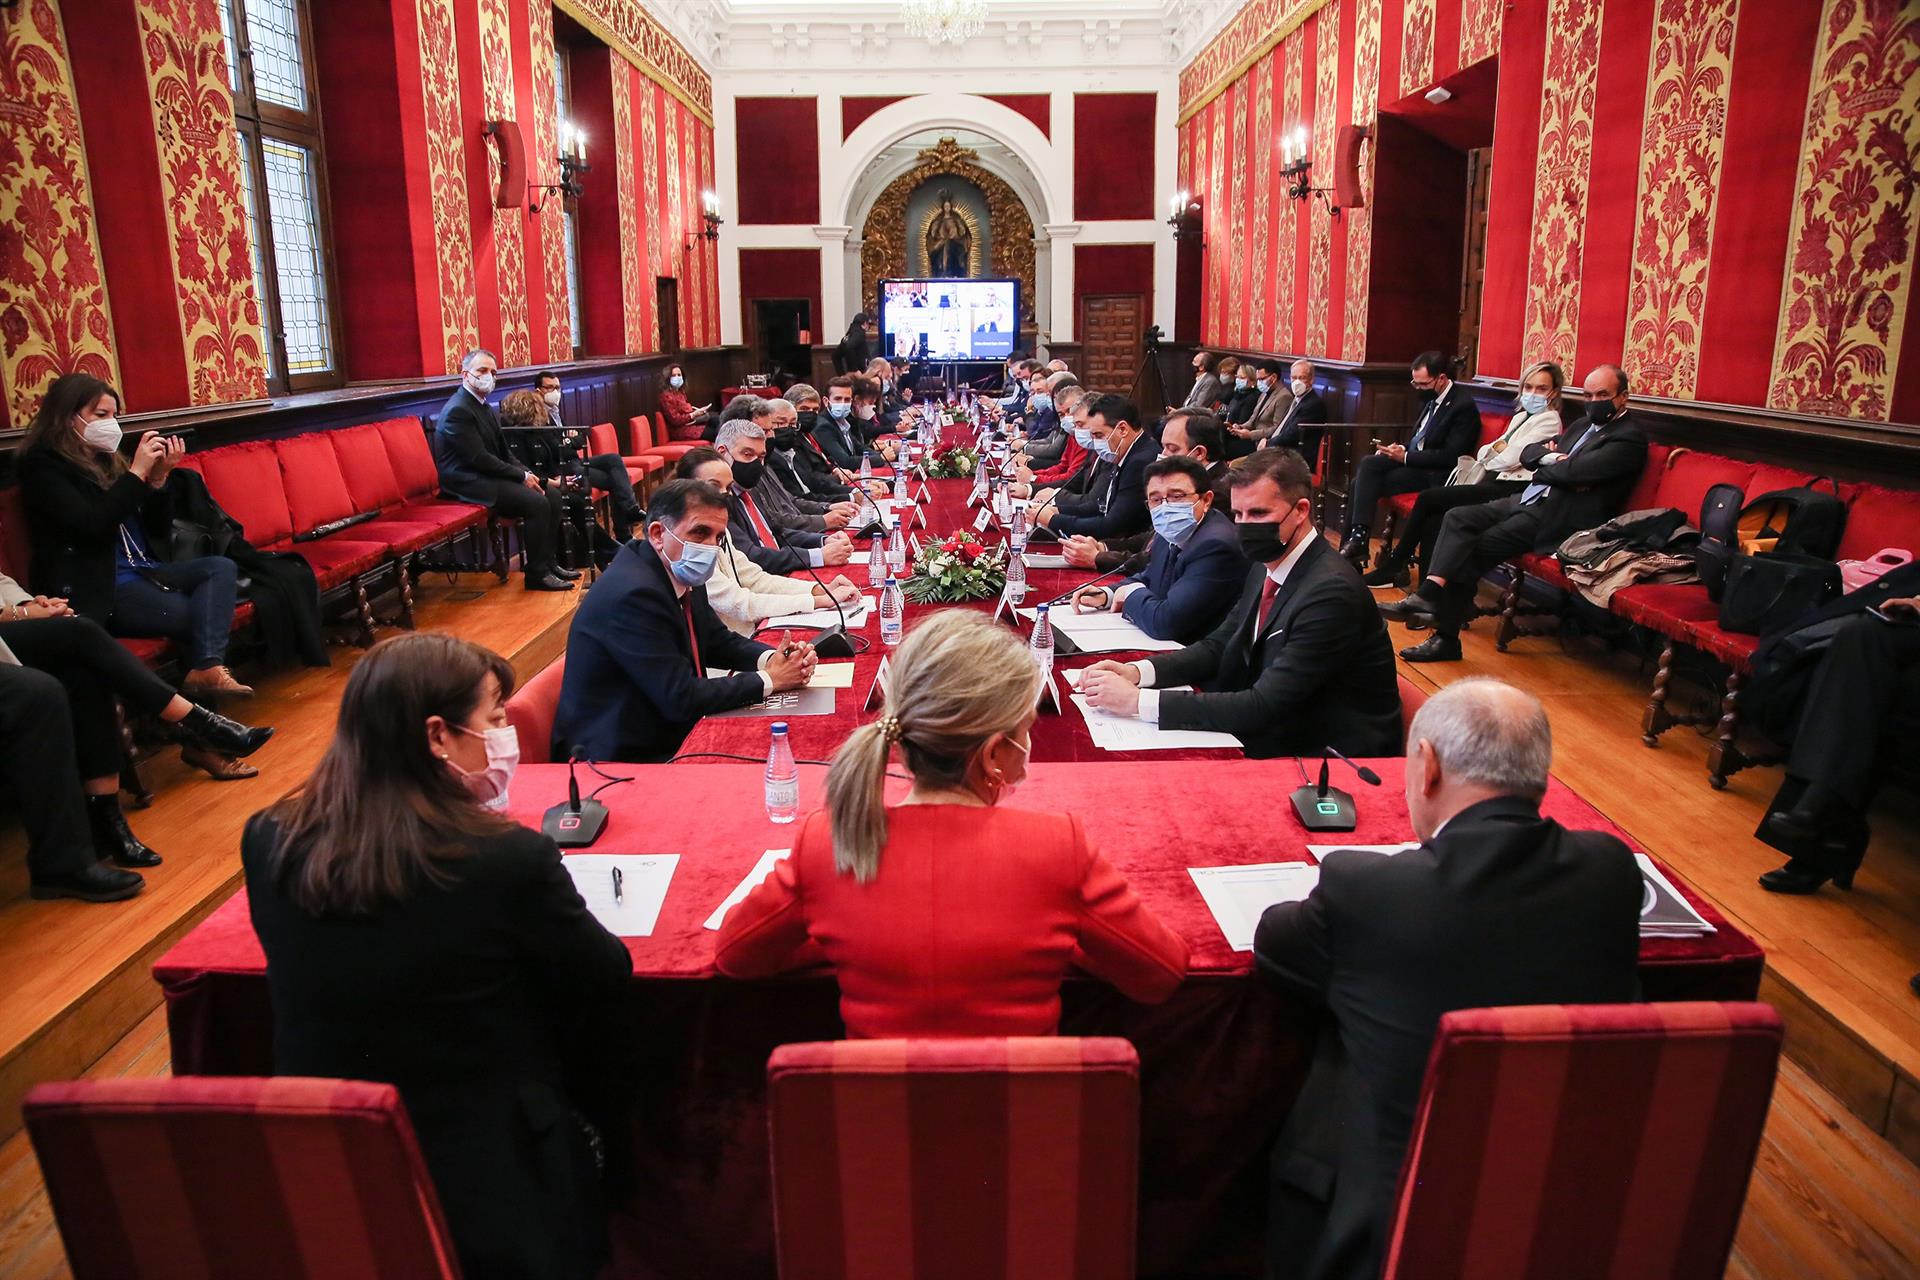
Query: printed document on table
<point>1041,560</point>
<point>1101,632</point>
<point>643,887</point>
<point>1238,895</point>
<point>761,870</point>
<point>1124,733</point>
<point>828,675</point>
<point>1320,851</point>
<point>856,616</point>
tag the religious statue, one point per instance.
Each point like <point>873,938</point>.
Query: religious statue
<point>949,241</point>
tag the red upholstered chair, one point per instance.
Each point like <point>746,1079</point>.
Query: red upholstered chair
<point>646,445</point>
<point>993,1157</point>
<point>1412,698</point>
<point>644,470</point>
<point>413,466</point>
<point>1584,1140</point>
<point>290,1178</point>
<point>532,708</point>
<point>1400,505</point>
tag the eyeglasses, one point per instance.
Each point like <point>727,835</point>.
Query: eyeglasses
<point>1172,497</point>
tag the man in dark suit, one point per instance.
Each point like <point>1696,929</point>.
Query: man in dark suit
<point>1194,567</point>
<point>1580,478</point>
<point>838,433</point>
<point>1512,908</point>
<point>643,639</point>
<point>1449,426</point>
<point>471,454</point>
<point>1115,502</point>
<point>1187,433</point>
<point>1308,410</point>
<point>1302,661</point>
<point>757,530</point>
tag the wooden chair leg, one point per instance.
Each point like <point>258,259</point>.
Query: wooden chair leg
<point>1658,719</point>
<point>1509,626</point>
<point>363,608</point>
<point>403,569</point>
<point>1723,757</point>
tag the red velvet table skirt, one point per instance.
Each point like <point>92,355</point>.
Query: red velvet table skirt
<point>1220,1061</point>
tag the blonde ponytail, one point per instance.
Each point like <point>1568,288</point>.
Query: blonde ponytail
<point>957,680</point>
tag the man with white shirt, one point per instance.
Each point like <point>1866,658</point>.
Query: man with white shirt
<point>1301,663</point>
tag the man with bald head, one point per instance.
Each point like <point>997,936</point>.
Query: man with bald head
<point>1512,908</point>
<point>1580,478</point>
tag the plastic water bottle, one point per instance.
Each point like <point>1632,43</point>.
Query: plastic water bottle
<point>899,488</point>
<point>866,467</point>
<point>876,562</point>
<point>1040,645</point>
<point>1016,576</point>
<point>1017,529</point>
<point>893,608</point>
<point>897,551</point>
<point>783,777</point>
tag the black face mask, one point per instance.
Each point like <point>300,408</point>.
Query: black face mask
<point>1427,393</point>
<point>786,438</point>
<point>747,474</point>
<point>1260,540</point>
<point>806,418</point>
<point>1600,412</point>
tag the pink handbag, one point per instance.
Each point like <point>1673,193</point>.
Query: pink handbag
<point>1855,574</point>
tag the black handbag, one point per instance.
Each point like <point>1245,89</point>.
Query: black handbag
<point>1769,590</point>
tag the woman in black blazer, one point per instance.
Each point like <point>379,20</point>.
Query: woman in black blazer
<point>1239,392</point>
<point>101,526</point>
<point>416,935</point>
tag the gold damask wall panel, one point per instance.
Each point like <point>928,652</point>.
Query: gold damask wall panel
<point>1480,29</point>
<point>883,240</point>
<point>553,250</point>
<point>1689,68</point>
<point>1850,257</point>
<point>1366,97</point>
<point>1236,246</point>
<point>1561,180</point>
<point>1326,83</point>
<point>53,302</point>
<point>509,242</point>
<point>1416,46</point>
<point>1293,51</point>
<point>447,174</point>
<point>649,222</point>
<point>199,160</point>
<point>638,36</point>
<point>1258,27</point>
<point>633,329</point>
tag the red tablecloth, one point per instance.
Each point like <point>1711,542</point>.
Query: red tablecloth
<point>1220,1061</point>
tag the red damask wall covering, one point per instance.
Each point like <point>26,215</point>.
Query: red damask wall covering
<point>125,250</point>
<point>1717,193</point>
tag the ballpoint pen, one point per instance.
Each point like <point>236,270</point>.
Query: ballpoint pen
<point>618,900</point>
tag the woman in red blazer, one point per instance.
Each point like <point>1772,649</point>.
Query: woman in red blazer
<point>945,914</point>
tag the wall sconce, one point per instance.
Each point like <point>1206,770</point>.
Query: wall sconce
<point>573,162</point>
<point>710,214</point>
<point>1184,216</point>
<point>1296,166</point>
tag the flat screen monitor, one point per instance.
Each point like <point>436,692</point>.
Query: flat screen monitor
<point>941,320</point>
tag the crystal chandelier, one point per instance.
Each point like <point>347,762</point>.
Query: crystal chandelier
<point>945,20</point>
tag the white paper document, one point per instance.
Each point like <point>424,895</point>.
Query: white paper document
<point>761,870</point>
<point>1238,895</point>
<point>832,675</point>
<point>1041,560</point>
<point>623,890</point>
<point>1320,851</point>
<point>1102,632</point>
<point>1124,733</point>
<point>857,614</point>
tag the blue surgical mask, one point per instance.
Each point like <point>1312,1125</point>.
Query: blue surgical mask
<point>1101,446</point>
<point>838,410</point>
<point>1083,437</point>
<point>1240,383</point>
<point>1174,521</point>
<point>1040,403</point>
<point>1532,401</point>
<point>676,381</point>
<point>696,563</point>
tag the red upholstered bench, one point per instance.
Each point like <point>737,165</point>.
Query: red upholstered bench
<point>411,459</point>
<point>1400,505</point>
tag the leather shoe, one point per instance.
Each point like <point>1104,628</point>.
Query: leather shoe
<point>1407,607</point>
<point>549,582</point>
<point>1794,826</point>
<point>113,838</point>
<point>1355,548</point>
<point>561,571</point>
<point>1801,876</point>
<point>1435,648</point>
<point>96,884</point>
<point>1387,574</point>
<point>212,731</point>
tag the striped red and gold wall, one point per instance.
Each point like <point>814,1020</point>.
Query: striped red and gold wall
<point>124,245</point>
<point>1717,193</point>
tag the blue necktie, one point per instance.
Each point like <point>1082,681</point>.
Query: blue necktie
<point>1536,491</point>
<point>1426,420</point>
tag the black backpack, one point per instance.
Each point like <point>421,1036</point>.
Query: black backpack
<point>1719,526</point>
<point>1801,522</point>
<point>1782,564</point>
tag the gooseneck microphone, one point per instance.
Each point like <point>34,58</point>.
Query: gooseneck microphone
<point>831,642</point>
<point>1322,807</point>
<point>575,823</point>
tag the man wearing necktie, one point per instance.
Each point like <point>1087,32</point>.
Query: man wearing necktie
<point>1300,663</point>
<point>1580,478</point>
<point>1448,429</point>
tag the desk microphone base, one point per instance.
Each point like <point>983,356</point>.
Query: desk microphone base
<point>1329,810</point>
<point>571,829</point>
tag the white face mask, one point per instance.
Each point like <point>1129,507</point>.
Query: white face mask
<point>676,381</point>
<point>1300,386</point>
<point>103,434</point>
<point>1008,788</point>
<point>552,398</point>
<point>489,785</point>
<point>481,384</point>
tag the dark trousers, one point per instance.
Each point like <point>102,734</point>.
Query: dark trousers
<point>188,601</point>
<point>1422,525</point>
<point>1379,476</point>
<point>1473,540</point>
<point>539,515</point>
<point>36,764</point>
<point>607,471</point>
<point>95,670</point>
<point>1861,702</point>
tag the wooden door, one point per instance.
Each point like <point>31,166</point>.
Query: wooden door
<point>1111,328</point>
<point>1473,262</point>
<point>667,299</point>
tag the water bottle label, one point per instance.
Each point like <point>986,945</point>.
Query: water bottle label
<point>783,794</point>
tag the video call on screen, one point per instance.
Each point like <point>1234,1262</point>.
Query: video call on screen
<point>948,319</point>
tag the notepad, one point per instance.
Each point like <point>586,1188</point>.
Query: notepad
<point>644,878</point>
<point>1102,632</point>
<point>1125,733</point>
<point>761,870</point>
<point>1237,896</point>
<point>814,700</point>
<point>1040,560</point>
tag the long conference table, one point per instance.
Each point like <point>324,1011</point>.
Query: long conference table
<point>1220,1061</point>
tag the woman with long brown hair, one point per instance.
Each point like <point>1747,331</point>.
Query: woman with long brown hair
<point>414,934</point>
<point>948,913</point>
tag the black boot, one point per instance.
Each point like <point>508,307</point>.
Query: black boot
<point>214,732</point>
<point>96,884</point>
<point>1354,548</point>
<point>113,838</point>
<point>1391,572</point>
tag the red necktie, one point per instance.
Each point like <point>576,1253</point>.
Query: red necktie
<point>693,637</point>
<point>1267,592</point>
<point>758,521</point>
